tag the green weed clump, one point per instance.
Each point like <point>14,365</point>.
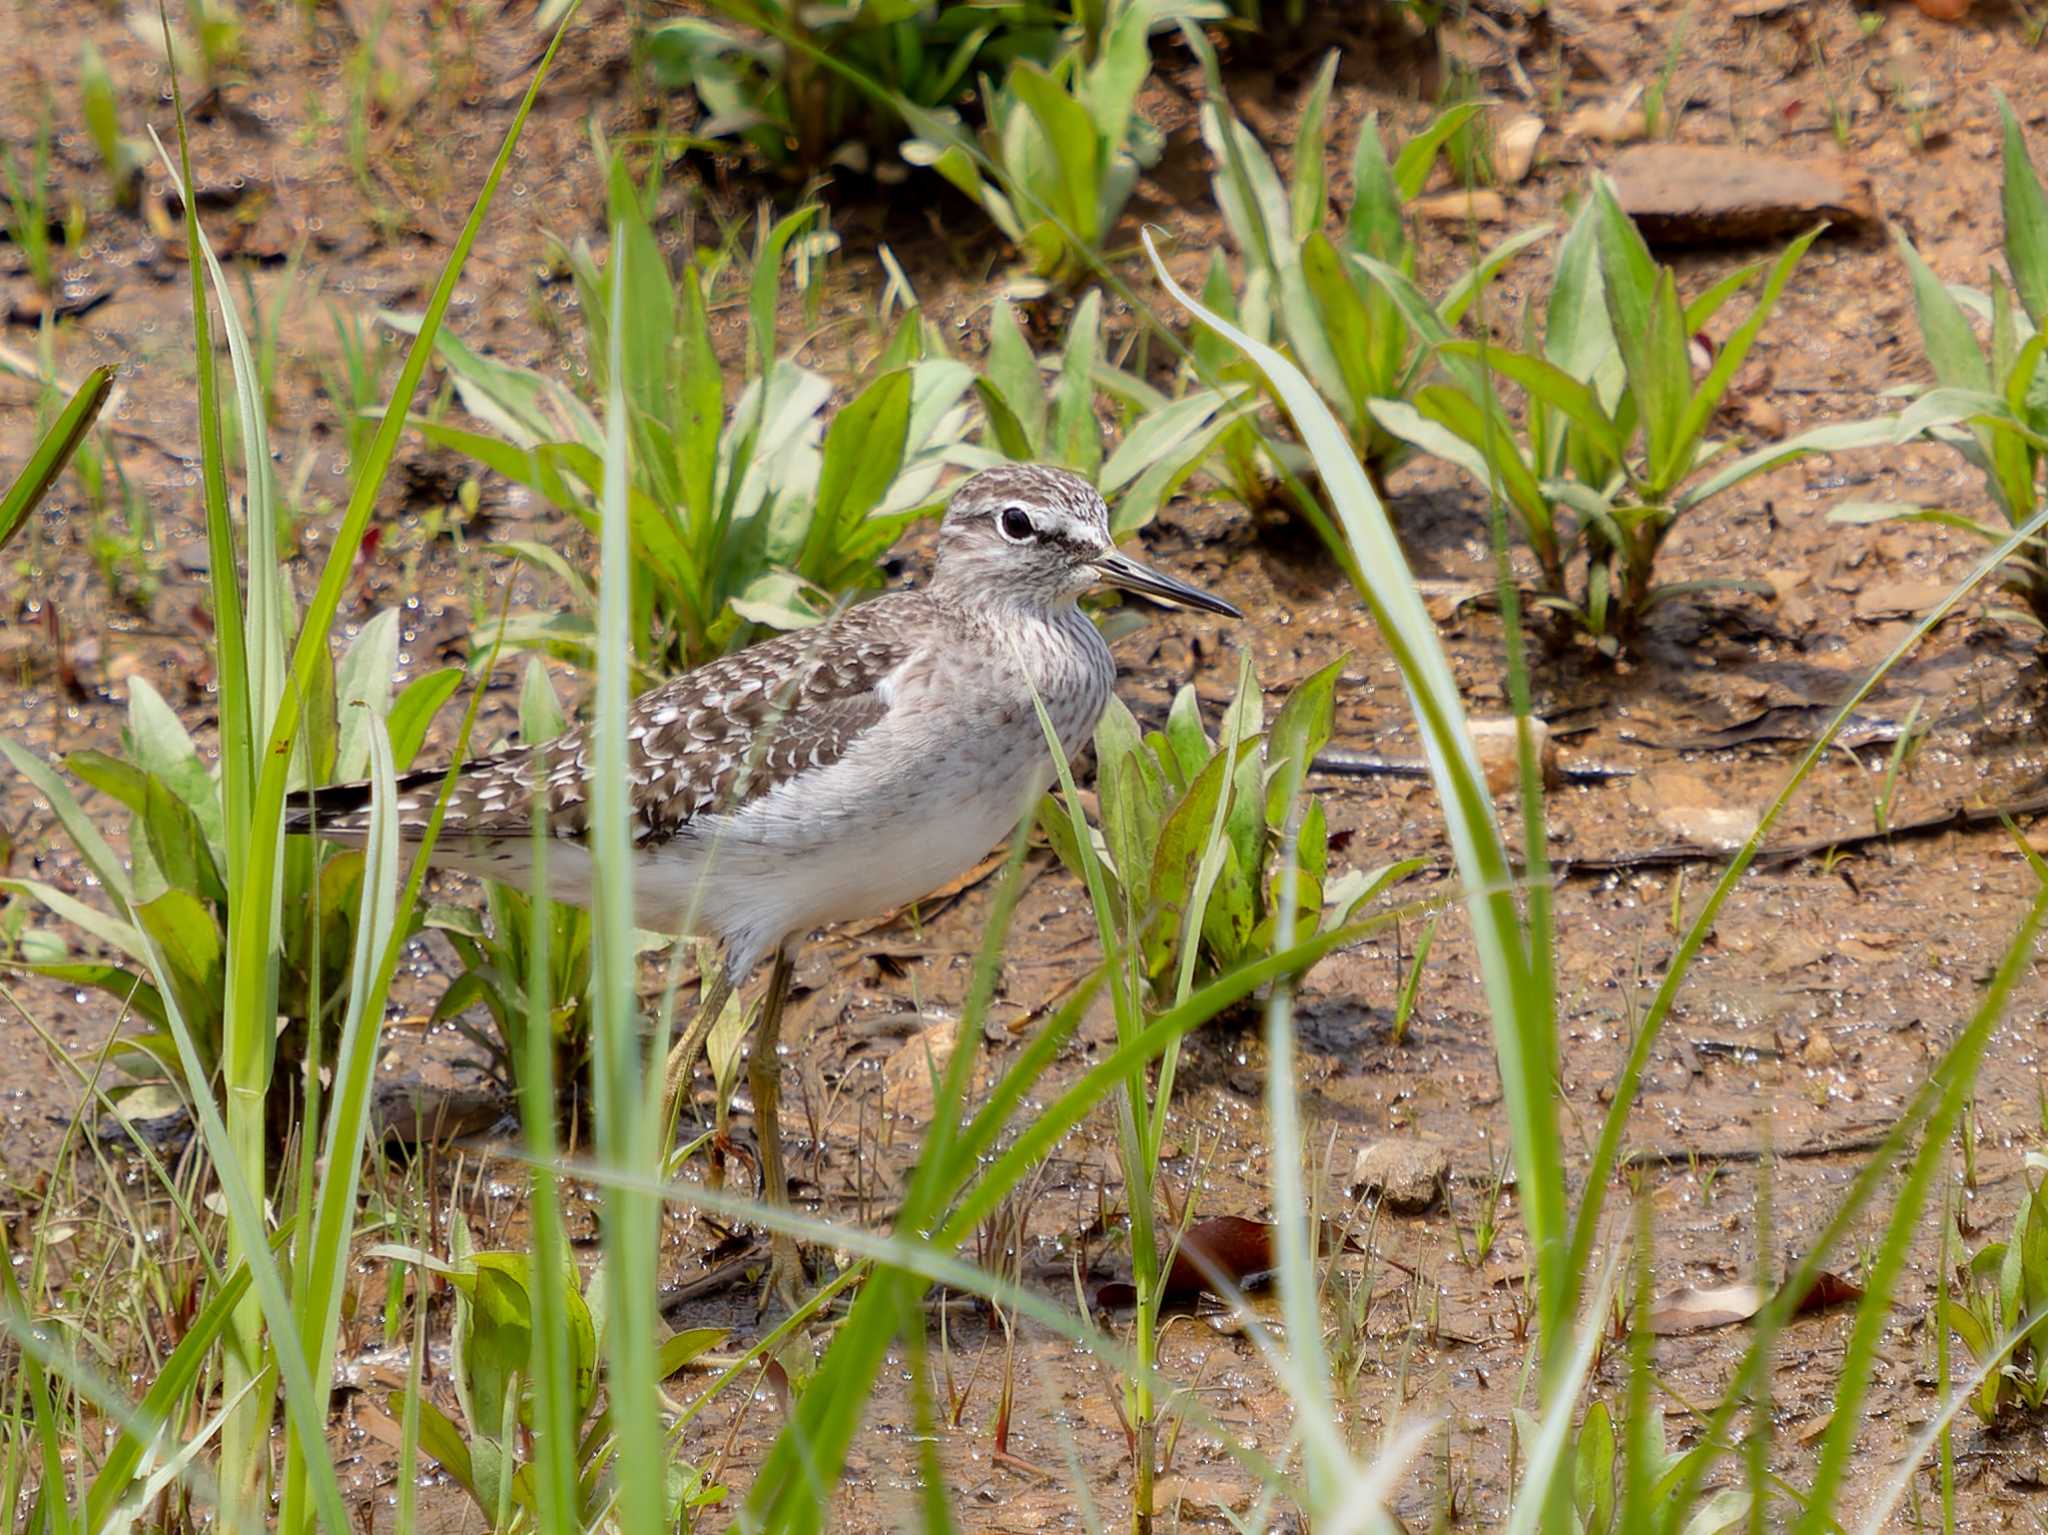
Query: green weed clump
<point>1025,420</point>
<point>1611,449</point>
<point>1992,407</point>
<point>1060,148</point>
<point>1316,294</point>
<point>804,86</point>
<point>744,514</point>
<point>1205,840</point>
<point>1999,1307</point>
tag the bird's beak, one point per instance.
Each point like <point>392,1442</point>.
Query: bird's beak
<point>1127,575</point>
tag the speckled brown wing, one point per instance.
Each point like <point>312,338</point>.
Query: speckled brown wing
<point>706,742</point>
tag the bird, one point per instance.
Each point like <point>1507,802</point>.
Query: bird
<point>823,774</point>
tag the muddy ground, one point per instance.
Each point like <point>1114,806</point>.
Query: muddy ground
<point>1829,985</point>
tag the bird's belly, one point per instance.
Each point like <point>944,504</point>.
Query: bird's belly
<point>856,840</point>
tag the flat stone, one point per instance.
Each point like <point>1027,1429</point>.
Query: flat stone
<point>1690,194</point>
<point>1409,1176</point>
<point>1899,599</point>
<point>1514,148</point>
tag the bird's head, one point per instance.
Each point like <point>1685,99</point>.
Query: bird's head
<point>1041,535</point>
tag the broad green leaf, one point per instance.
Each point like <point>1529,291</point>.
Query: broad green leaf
<point>767,284</point>
<point>1076,440</point>
<point>1945,333</point>
<point>1012,371</point>
<point>1071,188</point>
<point>1347,334</point>
<point>413,712</point>
<point>1376,226</point>
<point>699,392</point>
<point>2026,223</point>
<point>177,845</point>
<point>185,932</point>
<point>1299,731</point>
<point>863,452</point>
<point>1308,203</point>
<point>1412,165</point>
<point>85,835</point>
<point>440,1438</point>
<point>649,298</point>
<point>362,686</point>
<point>1577,334</point>
<point>540,711</point>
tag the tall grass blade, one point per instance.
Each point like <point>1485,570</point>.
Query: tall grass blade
<point>623,1075</point>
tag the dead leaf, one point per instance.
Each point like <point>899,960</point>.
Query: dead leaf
<point>1222,1252</point>
<point>1685,1311</point>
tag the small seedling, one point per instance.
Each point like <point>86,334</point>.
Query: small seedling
<point>119,156</point>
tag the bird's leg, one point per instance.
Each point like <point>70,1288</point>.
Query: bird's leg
<point>764,1077</point>
<point>713,994</point>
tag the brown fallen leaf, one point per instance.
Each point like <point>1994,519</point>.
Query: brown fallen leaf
<point>1224,1251</point>
<point>1687,1311</point>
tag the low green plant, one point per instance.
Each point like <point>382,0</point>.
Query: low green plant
<point>1163,441</point>
<point>1609,453</point>
<point>496,1339</point>
<point>217,29</point>
<point>1991,406</point>
<point>353,379</point>
<point>170,893</point>
<point>28,202</point>
<point>2001,1293</point>
<point>120,156</point>
<point>1060,148</point>
<point>1311,292</point>
<point>763,77</point>
<point>122,532</point>
<point>745,514</point>
<point>1195,834</point>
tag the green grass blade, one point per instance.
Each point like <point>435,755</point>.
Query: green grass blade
<point>53,452</point>
<point>620,1068</point>
<point>333,1215</point>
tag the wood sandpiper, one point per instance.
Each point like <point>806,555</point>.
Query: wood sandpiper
<point>825,774</point>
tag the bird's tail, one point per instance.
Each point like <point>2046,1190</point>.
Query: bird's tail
<point>343,809</point>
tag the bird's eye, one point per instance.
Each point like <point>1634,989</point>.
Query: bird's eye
<point>1016,525</point>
